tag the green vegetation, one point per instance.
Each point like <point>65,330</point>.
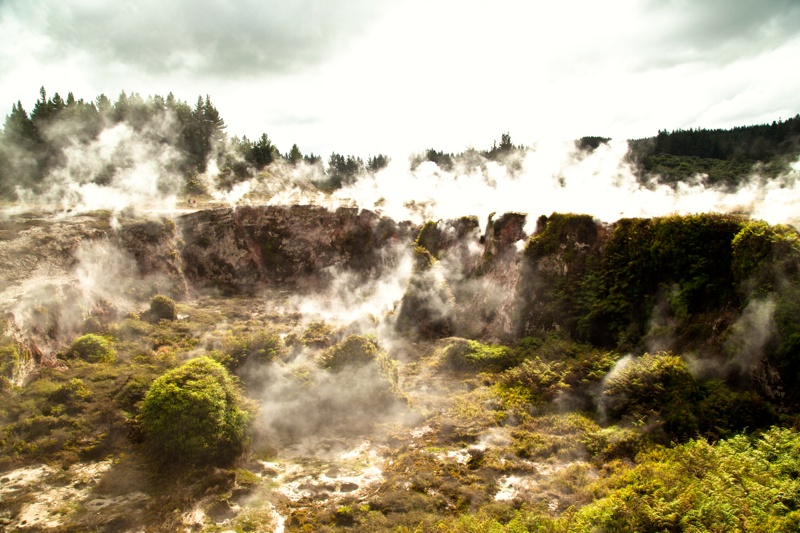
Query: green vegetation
<point>10,362</point>
<point>92,349</point>
<point>468,355</point>
<point>257,347</point>
<point>162,308</point>
<point>356,351</point>
<point>719,157</point>
<point>195,414</point>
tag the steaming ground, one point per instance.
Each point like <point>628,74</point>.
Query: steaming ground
<point>549,177</point>
<point>322,441</point>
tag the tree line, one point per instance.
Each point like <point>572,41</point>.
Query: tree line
<point>33,144</point>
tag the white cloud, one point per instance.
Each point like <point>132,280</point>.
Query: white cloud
<point>364,77</point>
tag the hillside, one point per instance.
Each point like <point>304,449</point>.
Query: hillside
<point>461,374</point>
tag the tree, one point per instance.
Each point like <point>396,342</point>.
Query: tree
<point>195,414</point>
<point>378,162</point>
<point>294,156</point>
<point>262,152</point>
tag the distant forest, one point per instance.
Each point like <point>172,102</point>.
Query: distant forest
<point>33,144</point>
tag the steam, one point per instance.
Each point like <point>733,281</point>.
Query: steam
<point>350,297</point>
<point>300,401</point>
<point>127,167</point>
<point>557,177</point>
<point>751,334</point>
<point>120,168</point>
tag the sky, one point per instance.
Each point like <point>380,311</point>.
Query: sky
<point>397,76</point>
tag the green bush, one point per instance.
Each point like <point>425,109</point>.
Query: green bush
<point>257,347</point>
<point>356,351</point>
<point>10,361</point>
<point>162,308</point>
<point>463,354</point>
<point>318,335</point>
<point>195,414</point>
<point>92,348</point>
<point>736,485</point>
<point>659,386</point>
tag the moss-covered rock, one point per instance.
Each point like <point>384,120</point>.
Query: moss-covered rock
<point>428,306</point>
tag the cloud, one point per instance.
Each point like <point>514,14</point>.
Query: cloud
<point>718,31</point>
<point>198,37</point>
<point>373,77</point>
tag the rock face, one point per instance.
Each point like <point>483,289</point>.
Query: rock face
<point>638,284</point>
<point>57,271</point>
<point>290,247</point>
<point>464,282</point>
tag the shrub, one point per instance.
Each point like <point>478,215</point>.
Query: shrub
<point>162,308</point>
<point>195,414</point>
<point>93,349</point>
<point>660,385</point>
<point>259,347</point>
<point>318,335</point>
<point>10,361</point>
<point>463,354</point>
<point>357,351</point>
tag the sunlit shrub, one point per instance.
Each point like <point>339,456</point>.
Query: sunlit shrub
<point>195,414</point>
<point>318,335</point>
<point>463,354</point>
<point>357,351</point>
<point>10,361</point>
<point>255,348</point>
<point>736,485</point>
<point>162,308</point>
<point>92,348</point>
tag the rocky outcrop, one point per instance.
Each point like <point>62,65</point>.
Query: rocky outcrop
<point>58,270</point>
<point>464,281</point>
<point>291,247</point>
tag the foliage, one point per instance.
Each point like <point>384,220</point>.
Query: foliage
<point>654,386</point>
<point>162,308</point>
<point>257,347</point>
<point>195,414</point>
<point>357,351</point>
<point>642,258</point>
<point>720,156</point>
<point>318,335</point>
<point>469,355</point>
<point>92,348</point>
<point>764,255</point>
<point>557,256</point>
<point>10,361</point>
<point>739,484</point>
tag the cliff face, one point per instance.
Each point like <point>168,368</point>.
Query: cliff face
<point>673,283</point>
<point>291,247</point>
<point>59,271</point>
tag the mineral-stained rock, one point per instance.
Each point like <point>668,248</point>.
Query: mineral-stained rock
<point>291,247</point>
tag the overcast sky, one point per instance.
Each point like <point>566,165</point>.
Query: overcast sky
<point>393,76</point>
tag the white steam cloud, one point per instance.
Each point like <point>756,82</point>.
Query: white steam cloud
<point>557,177</point>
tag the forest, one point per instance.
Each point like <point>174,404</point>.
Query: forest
<point>34,144</point>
